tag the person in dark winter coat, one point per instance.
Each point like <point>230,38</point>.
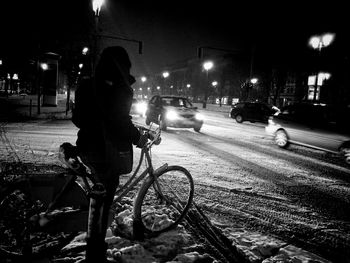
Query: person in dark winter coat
<point>106,133</point>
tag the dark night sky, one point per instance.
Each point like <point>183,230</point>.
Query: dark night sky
<point>171,31</point>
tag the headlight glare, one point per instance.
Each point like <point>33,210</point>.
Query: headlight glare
<point>171,115</point>
<point>199,116</point>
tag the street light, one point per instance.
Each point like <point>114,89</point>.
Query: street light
<point>207,65</point>
<point>319,42</point>
<point>254,81</point>
<point>96,6</point>
<point>85,50</point>
<point>165,76</point>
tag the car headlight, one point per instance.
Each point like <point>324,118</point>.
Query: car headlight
<point>141,107</point>
<point>199,116</point>
<point>171,115</point>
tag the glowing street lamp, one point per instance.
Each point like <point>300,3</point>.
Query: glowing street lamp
<point>96,6</point>
<point>44,66</point>
<point>85,51</point>
<point>207,65</point>
<point>319,42</point>
<point>165,76</point>
<point>143,79</point>
<point>254,81</point>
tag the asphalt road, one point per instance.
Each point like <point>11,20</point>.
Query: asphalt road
<point>299,195</point>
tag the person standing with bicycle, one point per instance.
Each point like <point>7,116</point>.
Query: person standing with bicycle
<point>105,137</point>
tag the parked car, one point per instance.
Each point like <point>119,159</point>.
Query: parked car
<point>173,111</point>
<point>321,127</point>
<point>252,111</point>
<point>138,107</point>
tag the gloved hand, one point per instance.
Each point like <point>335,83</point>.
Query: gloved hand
<point>142,141</point>
<point>152,135</point>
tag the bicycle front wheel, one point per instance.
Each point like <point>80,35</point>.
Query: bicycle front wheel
<point>162,203</point>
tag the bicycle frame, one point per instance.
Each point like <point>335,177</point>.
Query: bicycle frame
<point>132,182</point>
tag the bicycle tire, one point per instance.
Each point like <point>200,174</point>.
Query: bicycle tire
<point>157,215</point>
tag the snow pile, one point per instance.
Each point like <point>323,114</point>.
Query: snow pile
<point>173,246</point>
<point>266,249</point>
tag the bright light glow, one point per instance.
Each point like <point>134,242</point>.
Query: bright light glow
<point>96,6</point>
<point>143,79</point>
<point>208,65</point>
<point>188,85</point>
<point>44,66</point>
<point>214,83</point>
<point>149,88</point>
<point>254,80</point>
<point>327,39</point>
<point>315,42</point>
<point>85,50</point>
<point>322,76</point>
<point>318,42</point>
<point>199,116</point>
<point>81,65</point>
<point>0,62</point>
<point>171,115</point>
<point>15,76</point>
<point>165,74</point>
<point>141,107</point>
<point>158,88</point>
<point>140,88</point>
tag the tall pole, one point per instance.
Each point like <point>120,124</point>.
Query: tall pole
<point>206,90</point>
<point>38,71</point>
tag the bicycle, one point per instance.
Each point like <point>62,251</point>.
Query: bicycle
<point>33,205</point>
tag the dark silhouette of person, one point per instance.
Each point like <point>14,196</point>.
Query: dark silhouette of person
<point>106,134</point>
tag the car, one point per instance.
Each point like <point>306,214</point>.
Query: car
<point>252,111</point>
<point>173,111</point>
<point>138,107</point>
<point>318,126</point>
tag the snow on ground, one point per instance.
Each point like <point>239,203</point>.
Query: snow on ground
<point>178,245</point>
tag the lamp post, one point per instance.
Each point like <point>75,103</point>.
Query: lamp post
<point>143,80</point>
<point>165,76</point>
<point>319,42</point>
<point>208,65</point>
<point>96,7</point>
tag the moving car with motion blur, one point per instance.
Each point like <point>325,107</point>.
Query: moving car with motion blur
<point>252,111</point>
<point>173,111</point>
<point>138,107</point>
<point>317,126</point>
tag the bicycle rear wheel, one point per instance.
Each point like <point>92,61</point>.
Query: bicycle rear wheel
<point>161,204</point>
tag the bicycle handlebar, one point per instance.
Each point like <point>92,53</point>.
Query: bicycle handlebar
<point>153,135</point>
